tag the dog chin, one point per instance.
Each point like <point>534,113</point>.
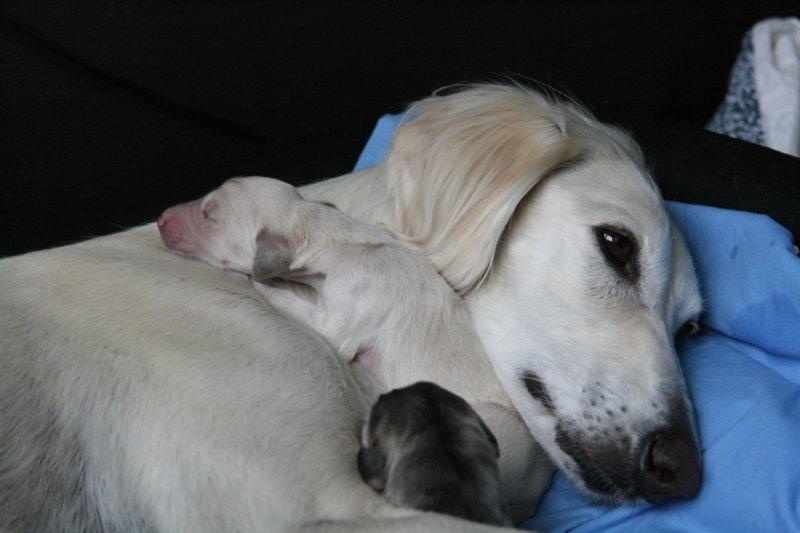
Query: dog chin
<point>612,495</point>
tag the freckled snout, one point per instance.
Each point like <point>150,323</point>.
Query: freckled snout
<point>669,465</point>
<point>653,460</point>
<point>179,227</point>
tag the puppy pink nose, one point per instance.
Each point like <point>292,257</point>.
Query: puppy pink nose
<point>162,221</point>
<point>170,228</point>
<point>174,224</point>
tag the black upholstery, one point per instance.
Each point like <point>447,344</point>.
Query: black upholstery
<point>111,111</point>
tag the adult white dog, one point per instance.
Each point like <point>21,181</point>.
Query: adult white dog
<point>140,390</point>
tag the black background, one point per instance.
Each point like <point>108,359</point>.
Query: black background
<point>112,111</point>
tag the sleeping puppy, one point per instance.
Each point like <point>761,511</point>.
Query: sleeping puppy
<point>426,448</point>
<point>377,302</point>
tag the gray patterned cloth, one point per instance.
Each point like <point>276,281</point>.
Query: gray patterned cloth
<point>738,115</point>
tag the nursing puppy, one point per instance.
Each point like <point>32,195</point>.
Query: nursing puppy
<point>424,447</point>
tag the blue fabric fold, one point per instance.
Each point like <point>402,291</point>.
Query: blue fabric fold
<point>743,372</point>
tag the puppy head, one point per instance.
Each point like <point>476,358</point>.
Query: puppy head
<point>221,228</point>
<point>404,419</point>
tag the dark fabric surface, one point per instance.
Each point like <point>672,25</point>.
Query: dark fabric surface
<point>111,111</point>
<point>696,166</point>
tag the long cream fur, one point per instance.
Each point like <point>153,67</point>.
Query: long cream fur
<point>461,163</point>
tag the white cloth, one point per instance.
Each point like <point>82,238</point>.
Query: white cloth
<point>776,58</point>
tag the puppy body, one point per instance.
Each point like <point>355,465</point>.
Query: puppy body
<point>425,448</point>
<point>385,307</point>
<point>376,301</point>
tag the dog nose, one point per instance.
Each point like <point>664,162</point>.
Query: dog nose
<point>175,223</point>
<point>169,227</point>
<point>669,466</point>
<point>162,221</point>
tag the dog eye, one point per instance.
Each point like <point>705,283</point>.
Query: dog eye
<point>616,244</point>
<point>619,249</point>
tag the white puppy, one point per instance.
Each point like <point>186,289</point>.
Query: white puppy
<point>373,299</point>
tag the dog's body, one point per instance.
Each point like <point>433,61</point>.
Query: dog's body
<point>139,390</point>
<point>425,448</point>
<point>139,422</point>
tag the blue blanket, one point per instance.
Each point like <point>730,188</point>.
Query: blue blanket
<point>743,372</point>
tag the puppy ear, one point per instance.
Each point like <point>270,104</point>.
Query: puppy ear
<point>491,437</point>
<point>372,466</point>
<point>459,166</point>
<point>274,256</point>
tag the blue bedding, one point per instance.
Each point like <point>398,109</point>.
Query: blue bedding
<point>743,371</point>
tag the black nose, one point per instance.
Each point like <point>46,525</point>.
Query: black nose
<point>669,466</point>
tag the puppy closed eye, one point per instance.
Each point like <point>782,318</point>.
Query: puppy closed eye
<point>208,211</point>
<point>619,249</point>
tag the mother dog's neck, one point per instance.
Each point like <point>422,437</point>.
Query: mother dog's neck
<point>363,195</point>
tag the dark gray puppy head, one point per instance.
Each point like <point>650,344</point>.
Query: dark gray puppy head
<point>426,448</point>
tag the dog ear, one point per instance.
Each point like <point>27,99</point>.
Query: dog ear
<point>459,166</point>
<point>372,466</point>
<point>491,437</point>
<point>274,256</point>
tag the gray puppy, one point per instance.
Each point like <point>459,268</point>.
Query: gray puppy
<point>426,448</point>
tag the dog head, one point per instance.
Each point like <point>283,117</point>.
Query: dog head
<point>422,417</point>
<point>551,225</point>
<point>226,225</point>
